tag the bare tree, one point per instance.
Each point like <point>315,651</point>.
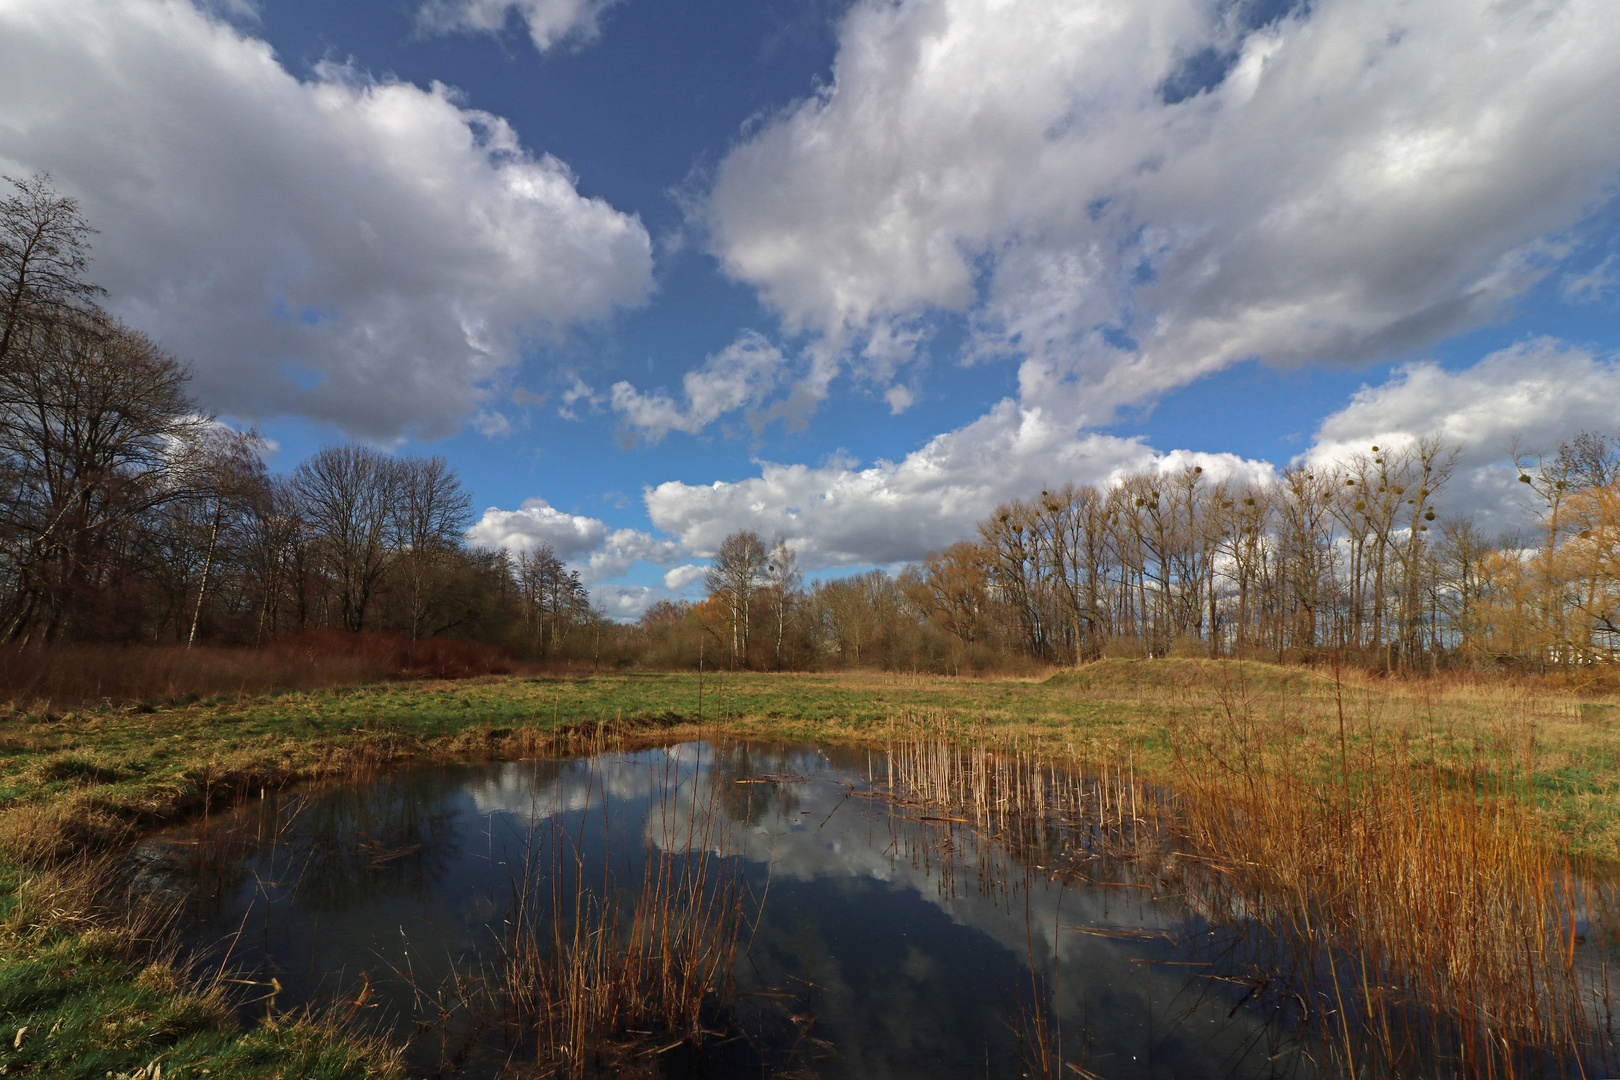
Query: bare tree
<point>554,602</point>
<point>1594,459</point>
<point>734,577</point>
<point>346,494</point>
<point>273,549</point>
<point>95,424</point>
<point>44,247</point>
<point>785,581</point>
<point>430,512</point>
<point>228,468</point>
<point>1018,564</point>
<point>952,589</point>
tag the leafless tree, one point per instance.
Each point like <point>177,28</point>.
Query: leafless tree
<point>95,431</point>
<point>554,602</point>
<point>44,253</point>
<point>430,512</point>
<point>274,550</point>
<point>346,494</point>
<point>228,467</point>
<point>785,582</point>
<point>735,576</point>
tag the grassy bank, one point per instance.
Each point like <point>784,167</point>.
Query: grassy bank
<point>96,1001</point>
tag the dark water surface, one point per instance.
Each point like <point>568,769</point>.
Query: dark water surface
<point>877,941</point>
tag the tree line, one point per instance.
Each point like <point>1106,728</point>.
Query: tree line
<point>1350,558</point>
<point>129,514</point>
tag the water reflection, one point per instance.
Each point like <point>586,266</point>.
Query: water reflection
<point>881,938</point>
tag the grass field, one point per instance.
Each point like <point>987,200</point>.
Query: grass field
<point>95,998</point>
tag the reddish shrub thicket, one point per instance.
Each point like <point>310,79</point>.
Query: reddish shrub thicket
<point>395,656</point>
<point>72,675</point>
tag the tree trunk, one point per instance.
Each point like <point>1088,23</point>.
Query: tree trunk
<point>208,565</point>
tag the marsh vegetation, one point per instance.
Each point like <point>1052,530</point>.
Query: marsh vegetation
<point>735,907</point>
<point>1364,877</point>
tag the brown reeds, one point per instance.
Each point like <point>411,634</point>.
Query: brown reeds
<point>1417,920</point>
<point>627,969</point>
<point>1404,884</point>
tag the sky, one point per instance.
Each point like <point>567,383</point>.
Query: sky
<point>845,272</point>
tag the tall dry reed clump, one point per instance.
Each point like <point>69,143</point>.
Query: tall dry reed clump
<point>626,970</point>
<point>1408,882</point>
<point>1406,903</point>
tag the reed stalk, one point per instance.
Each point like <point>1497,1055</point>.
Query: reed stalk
<point>1418,921</point>
<point>633,966</point>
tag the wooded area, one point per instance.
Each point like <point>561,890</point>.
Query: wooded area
<point>1349,559</point>
<point>132,516</point>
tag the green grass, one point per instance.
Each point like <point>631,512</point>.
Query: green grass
<point>92,780</point>
<point>105,774</point>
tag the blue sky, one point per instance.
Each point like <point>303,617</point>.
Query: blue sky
<point>845,273</point>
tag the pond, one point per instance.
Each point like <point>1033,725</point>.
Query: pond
<point>747,909</point>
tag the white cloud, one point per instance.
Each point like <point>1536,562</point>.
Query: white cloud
<point>679,578</point>
<point>1130,195</point>
<point>578,391</point>
<point>624,547</point>
<point>491,423</point>
<point>538,522</point>
<point>842,515</point>
<point>624,603</point>
<point>550,22</point>
<point>741,375</point>
<point>586,543</point>
<point>371,254</point>
<point>1539,392</point>
<point>241,10</point>
<point>1596,285</point>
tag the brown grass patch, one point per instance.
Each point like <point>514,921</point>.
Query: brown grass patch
<point>58,677</point>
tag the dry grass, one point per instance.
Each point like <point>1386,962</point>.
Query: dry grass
<point>597,976</point>
<point>1419,845</point>
<point>1413,885</point>
<point>63,677</point>
<point>1410,910</point>
<point>60,677</point>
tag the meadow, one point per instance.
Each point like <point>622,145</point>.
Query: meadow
<point>1305,759</point>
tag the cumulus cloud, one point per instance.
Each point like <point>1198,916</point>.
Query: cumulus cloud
<point>550,22</point>
<point>242,10</point>
<point>899,398</point>
<point>681,576</point>
<point>625,603</point>
<point>1537,394</point>
<point>364,252</point>
<point>1128,196</point>
<point>625,547</point>
<point>841,515</point>
<point>741,375</point>
<point>586,543</point>
<point>537,522</point>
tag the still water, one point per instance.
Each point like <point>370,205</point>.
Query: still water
<point>876,938</point>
